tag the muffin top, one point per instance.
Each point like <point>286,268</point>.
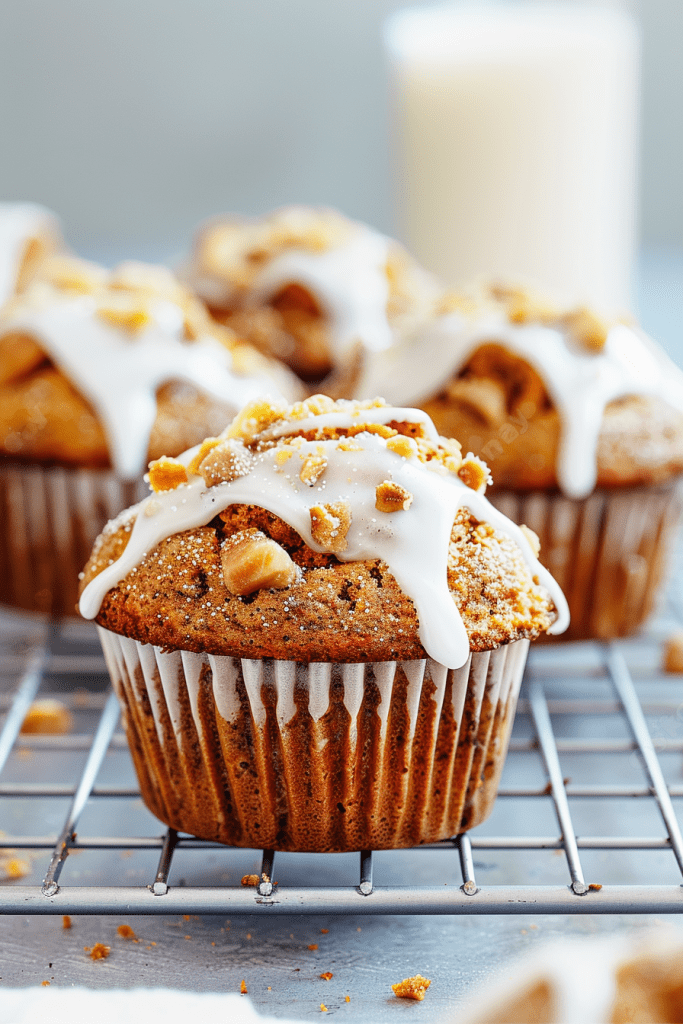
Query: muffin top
<point>102,368</point>
<point>321,531</point>
<point>309,286</point>
<point>549,396</point>
<point>28,234</point>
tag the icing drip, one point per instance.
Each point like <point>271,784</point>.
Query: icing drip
<point>580,384</point>
<point>414,544</point>
<point>120,373</point>
<point>19,224</point>
<point>349,282</point>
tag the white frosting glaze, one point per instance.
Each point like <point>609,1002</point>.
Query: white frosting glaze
<point>581,384</point>
<point>413,543</point>
<point>19,224</point>
<point>348,281</point>
<point>119,372</point>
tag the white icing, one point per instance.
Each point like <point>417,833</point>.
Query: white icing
<point>580,384</point>
<point>349,282</point>
<point>20,223</point>
<point>413,543</point>
<point>378,414</point>
<point>120,372</point>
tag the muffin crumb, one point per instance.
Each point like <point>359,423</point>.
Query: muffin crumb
<point>673,653</point>
<point>412,988</point>
<point>47,717</point>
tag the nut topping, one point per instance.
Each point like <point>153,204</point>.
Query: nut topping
<point>225,461</point>
<point>166,474</point>
<point>313,468</point>
<point>391,497</point>
<point>330,524</point>
<point>251,561</point>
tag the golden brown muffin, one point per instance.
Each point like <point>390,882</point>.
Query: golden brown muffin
<point>310,287</point>
<point>264,571</point>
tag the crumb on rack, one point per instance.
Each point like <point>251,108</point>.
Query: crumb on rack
<point>595,886</point>
<point>249,880</point>
<point>411,988</point>
<point>47,717</point>
<point>673,653</point>
<point>13,867</point>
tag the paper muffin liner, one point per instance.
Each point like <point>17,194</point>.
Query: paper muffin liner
<point>49,520</point>
<point>609,552</point>
<point>315,757</point>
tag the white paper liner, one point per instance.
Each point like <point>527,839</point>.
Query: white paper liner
<point>317,757</point>
<point>49,521</point>
<point>609,552</point>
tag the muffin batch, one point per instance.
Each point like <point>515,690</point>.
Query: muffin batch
<point>316,622</point>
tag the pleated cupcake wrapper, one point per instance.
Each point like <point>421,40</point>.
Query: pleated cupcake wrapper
<point>609,552</point>
<point>318,757</point>
<point>49,521</point>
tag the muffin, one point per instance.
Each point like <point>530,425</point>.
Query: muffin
<point>28,235</point>
<point>581,420</point>
<point>310,287</point>
<point>629,977</point>
<point>99,372</point>
<point>317,626</point>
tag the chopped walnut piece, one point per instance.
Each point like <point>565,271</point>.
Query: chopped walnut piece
<point>166,474</point>
<point>226,461</point>
<point>251,561</point>
<point>372,428</point>
<point>284,455</point>
<point>412,988</point>
<point>391,497</point>
<point>205,447</point>
<point>673,653</point>
<point>313,468</point>
<point>131,320</point>
<point>98,952</point>
<point>347,445</point>
<point>254,418</point>
<point>249,880</point>
<point>327,976</point>
<point>330,525</point>
<point>534,542</point>
<point>48,717</point>
<point>474,473</point>
<point>406,447</point>
<point>587,328</point>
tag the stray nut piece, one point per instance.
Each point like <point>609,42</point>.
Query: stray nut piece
<point>131,320</point>
<point>534,542</point>
<point>225,461</point>
<point>474,473</point>
<point>313,468</point>
<point>251,561</point>
<point>391,497</point>
<point>49,717</point>
<point>166,474</point>
<point>330,525</point>
<point>412,988</point>
<point>249,880</point>
<point>673,653</point>
<point>587,329</point>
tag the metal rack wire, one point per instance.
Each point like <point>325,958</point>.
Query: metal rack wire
<point>577,896</point>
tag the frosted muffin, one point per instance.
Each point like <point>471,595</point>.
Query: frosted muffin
<point>581,421</point>
<point>99,372</point>
<point>317,627</point>
<point>28,235</point>
<point>310,287</point>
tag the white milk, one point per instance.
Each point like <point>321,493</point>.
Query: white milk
<point>516,145</point>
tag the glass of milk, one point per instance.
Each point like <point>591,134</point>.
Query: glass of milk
<point>516,143</point>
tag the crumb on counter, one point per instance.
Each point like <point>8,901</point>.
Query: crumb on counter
<point>44,983</point>
<point>47,717</point>
<point>412,988</point>
<point>327,976</point>
<point>98,952</point>
<point>673,653</point>
<point>323,1008</point>
<point>125,931</point>
<point>66,922</point>
<point>313,945</point>
<point>324,931</point>
<point>243,987</point>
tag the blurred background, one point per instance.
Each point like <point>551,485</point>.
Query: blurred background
<point>136,119</point>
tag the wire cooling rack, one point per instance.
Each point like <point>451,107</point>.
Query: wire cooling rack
<point>581,704</point>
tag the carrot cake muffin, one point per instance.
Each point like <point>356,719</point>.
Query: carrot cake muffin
<point>99,372</point>
<point>311,287</point>
<point>317,626</point>
<point>28,234</point>
<point>581,421</point>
